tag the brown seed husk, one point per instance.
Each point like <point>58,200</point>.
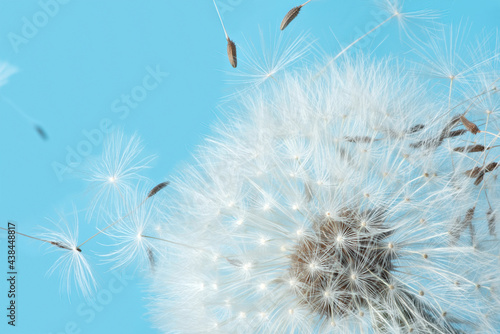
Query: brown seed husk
<point>290,16</point>
<point>469,125</point>
<point>479,179</point>
<point>462,224</point>
<point>416,128</point>
<point>475,172</point>
<point>157,188</point>
<point>151,258</point>
<point>491,167</point>
<point>231,53</point>
<point>470,149</point>
<point>490,215</point>
<point>41,132</point>
<point>358,139</point>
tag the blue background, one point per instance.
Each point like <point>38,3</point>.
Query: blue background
<point>82,60</point>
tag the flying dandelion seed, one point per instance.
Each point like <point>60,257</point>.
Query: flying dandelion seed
<point>291,15</point>
<point>267,60</point>
<point>72,265</point>
<point>231,47</point>
<point>128,242</point>
<point>115,172</point>
<point>6,70</point>
<point>313,211</point>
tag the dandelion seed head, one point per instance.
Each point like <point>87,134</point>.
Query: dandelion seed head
<point>368,215</point>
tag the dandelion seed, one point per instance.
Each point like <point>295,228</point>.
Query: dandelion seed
<point>231,53</point>
<point>275,55</point>
<point>291,15</point>
<point>416,128</point>
<point>72,265</point>
<point>490,215</point>
<point>470,149</point>
<point>158,188</point>
<point>38,128</point>
<point>231,47</point>
<point>359,139</point>
<point>41,132</point>
<point>456,133</point>
<point>462,224</point>
<point>131,223</point>
<point>151,257</point>
<point>115,172</point>
<point>469,125</point>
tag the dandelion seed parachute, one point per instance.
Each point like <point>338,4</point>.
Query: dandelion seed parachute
<point>130,243</point>
<point>294,227</point>
<point>115,173</point>
<point>72,265</point>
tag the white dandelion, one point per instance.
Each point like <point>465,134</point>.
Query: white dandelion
<point>335,205</point>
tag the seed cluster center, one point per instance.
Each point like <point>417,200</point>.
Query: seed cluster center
<point>345,264</point>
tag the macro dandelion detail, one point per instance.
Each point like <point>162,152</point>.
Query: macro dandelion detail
<point>314,211</point>
<point>341,193</point>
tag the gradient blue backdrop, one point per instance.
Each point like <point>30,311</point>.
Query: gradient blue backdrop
<point>74,68</point>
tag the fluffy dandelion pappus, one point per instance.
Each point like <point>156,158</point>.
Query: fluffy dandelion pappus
<point>313,211</point>
<point>72,264</point>
<point>116,171</point>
